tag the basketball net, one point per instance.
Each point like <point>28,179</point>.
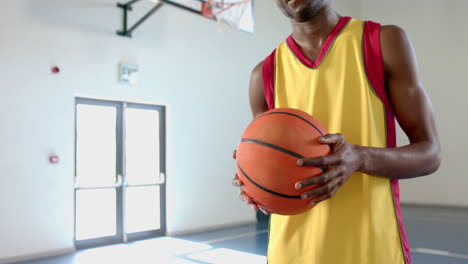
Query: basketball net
<point>228,13</point>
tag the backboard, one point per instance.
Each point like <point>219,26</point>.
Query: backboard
<point>236,14</point>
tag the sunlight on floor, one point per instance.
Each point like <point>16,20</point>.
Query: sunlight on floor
<point>227,256</point>
<point>169,246</point>
<point>165,250</point>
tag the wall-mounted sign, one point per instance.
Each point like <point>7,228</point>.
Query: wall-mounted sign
<point>128,74</point>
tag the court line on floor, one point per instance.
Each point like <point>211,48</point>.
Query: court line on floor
<point>426,251</point>
<point>437,252</point>
<point>435,219</point>
<point>461,217</point>
<point>235,236</point>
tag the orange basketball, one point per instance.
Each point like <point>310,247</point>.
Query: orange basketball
<point>267,158</point>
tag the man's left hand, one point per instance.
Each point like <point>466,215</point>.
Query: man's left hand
<point>345,160</point>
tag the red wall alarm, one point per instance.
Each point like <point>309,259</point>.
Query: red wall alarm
<point>54,159</point>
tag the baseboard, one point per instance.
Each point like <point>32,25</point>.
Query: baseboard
<point>421,205</point>
<point>29,257</point>
<point>211,228</point>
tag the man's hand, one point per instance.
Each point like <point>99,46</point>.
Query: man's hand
<point>242,195</point>
<point>345,160</point>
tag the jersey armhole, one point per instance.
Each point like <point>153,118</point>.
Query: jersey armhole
<point>376,75</point>
<point>268,69</point>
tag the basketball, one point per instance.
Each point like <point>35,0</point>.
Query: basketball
<point>267,159</point>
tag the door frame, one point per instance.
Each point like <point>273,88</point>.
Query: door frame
<point>121,236</point>
<point>162,163</point>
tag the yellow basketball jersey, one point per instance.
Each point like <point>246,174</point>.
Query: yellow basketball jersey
<point>345,90</point>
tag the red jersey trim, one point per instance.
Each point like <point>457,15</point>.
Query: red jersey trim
<point>268,69</point>
<point>325,48</point>
<point>376,75</point>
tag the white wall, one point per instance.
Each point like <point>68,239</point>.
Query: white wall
<point>203,76</point>
<point>200,73</point>
<point>439,32</point>
<point>348,8</point>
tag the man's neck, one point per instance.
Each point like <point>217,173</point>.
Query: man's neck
<point>313,33</point>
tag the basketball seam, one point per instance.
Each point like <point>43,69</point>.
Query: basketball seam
<point>265,189</point>
<point>290,114</point>
<point>265,144</point>
<point>277,148</point>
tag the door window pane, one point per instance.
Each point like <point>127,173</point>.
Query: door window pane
<point>95,213</point>
<point>96,145</point>
<point>142,209</point>
<point>142,146</point>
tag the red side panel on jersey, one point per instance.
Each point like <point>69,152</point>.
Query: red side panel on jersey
<point>269,79</point>
<point>376,74</point>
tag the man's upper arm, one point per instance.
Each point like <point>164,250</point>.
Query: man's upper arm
<point>409,101</point>
<point>258,104</point>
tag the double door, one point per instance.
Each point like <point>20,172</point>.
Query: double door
<point>119,172</point>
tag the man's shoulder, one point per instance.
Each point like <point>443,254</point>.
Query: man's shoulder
<point>388,33</point>
<point>392,35</point>
<point>392,30</point>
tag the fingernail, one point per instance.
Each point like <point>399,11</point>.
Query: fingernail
<point>300,162</point>
<point>322,139</point>
<point>304,196</point>
<point>298,186</point>
<point>313,203</point>
<point>253,206</point>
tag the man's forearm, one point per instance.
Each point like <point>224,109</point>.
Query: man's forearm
<point>405,162</point>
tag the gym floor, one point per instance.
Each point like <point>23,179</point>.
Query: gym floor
<point>436,236</point>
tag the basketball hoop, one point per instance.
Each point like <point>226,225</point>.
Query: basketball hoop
<point>228,13</point>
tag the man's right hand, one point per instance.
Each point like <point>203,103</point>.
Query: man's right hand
<point>258,106</point>
<point>236,182</point>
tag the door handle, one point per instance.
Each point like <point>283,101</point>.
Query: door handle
<point>162,180</point>
<point>119,180</point>
<point>162,177</point>
<point>110,186</point>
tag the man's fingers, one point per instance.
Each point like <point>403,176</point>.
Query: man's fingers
<point>324,189</point>
<point>325,196</point>
<point>248,200</point>
<point>318,180</point>
<point>331,138</point>
<point>244,197</point>
<point>236,182</point>
<point>334,140</point>
<point>334,159</point>
<point>263,210</point>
